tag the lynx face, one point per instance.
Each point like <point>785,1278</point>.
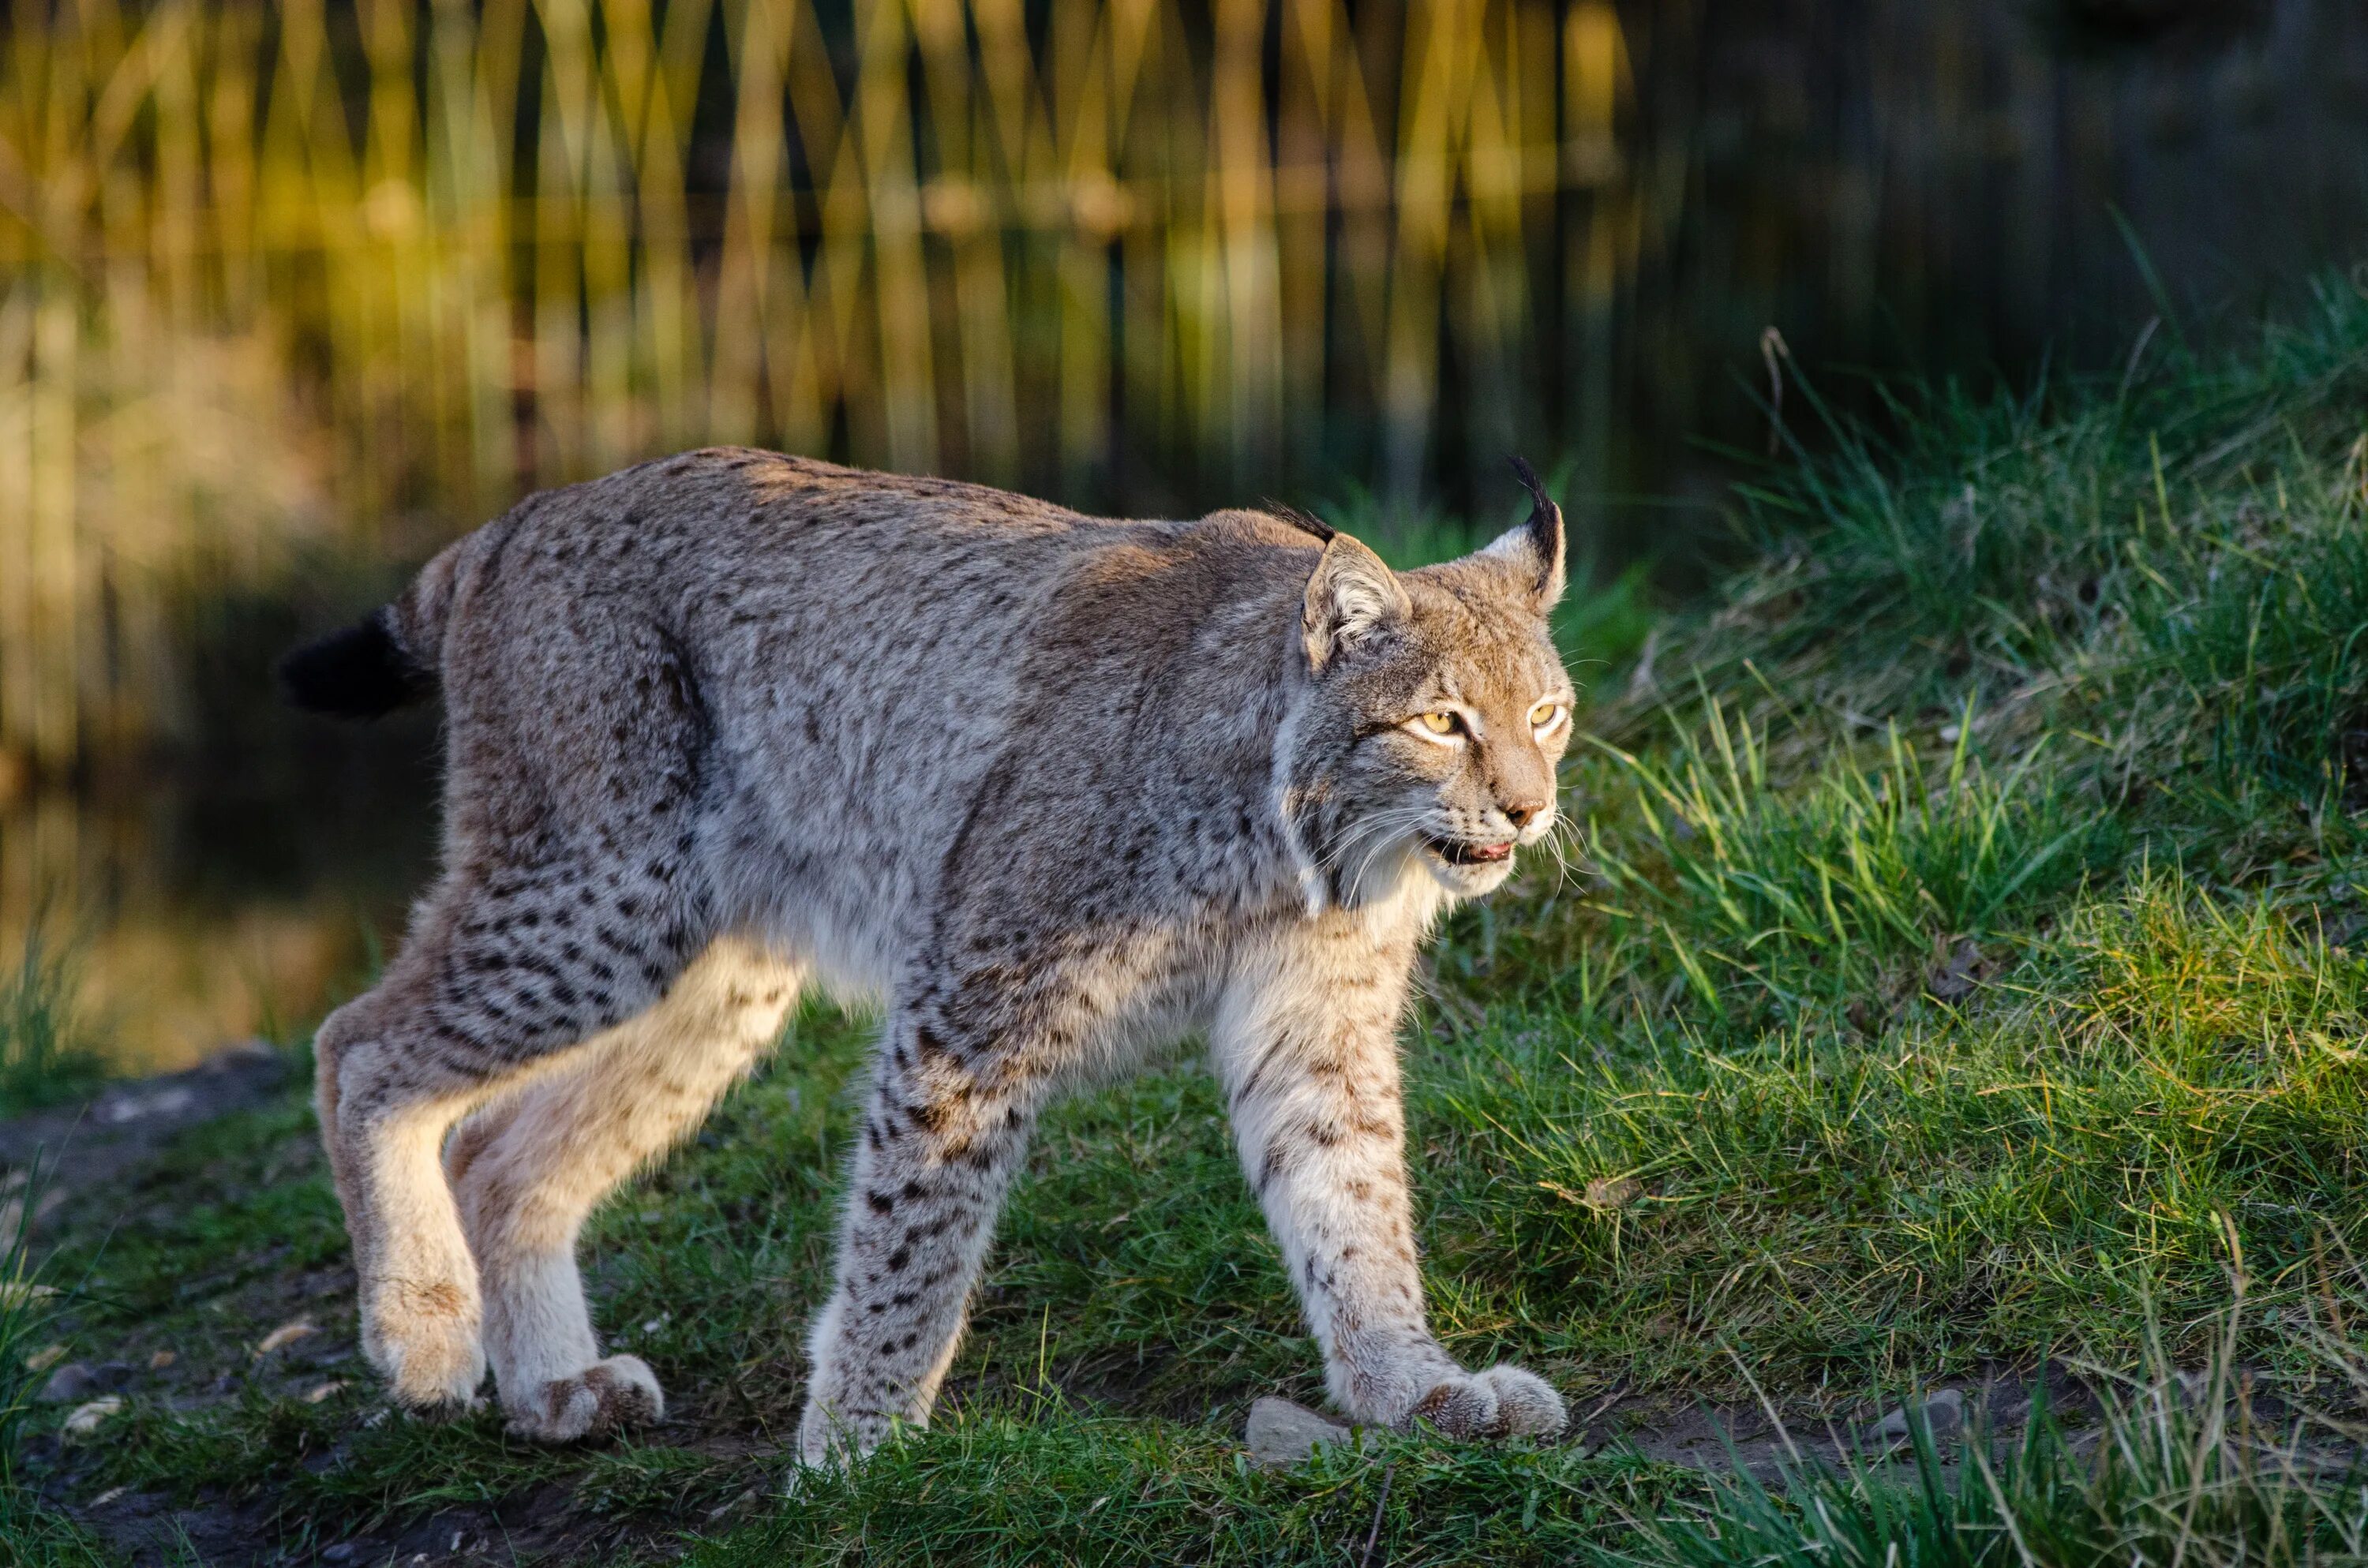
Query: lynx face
<point>1438,714</point>
<point>1474,761</point>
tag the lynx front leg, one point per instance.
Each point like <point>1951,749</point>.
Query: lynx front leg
<point>1307,1047</point>
<point>940,1142</point>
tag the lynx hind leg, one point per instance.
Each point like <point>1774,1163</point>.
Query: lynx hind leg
<point>504,968</point>
<point>576,892</point>
<point>531,1167</point>
<point>385,1101</point>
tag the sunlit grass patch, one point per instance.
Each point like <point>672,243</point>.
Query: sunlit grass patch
<point>2037,1168</point>
<point>2236,993</point>
<point>1056,1484</point>
<point>1814,888</point>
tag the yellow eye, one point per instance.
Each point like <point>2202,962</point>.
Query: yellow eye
<point>1544,715</point>
<point>1438,721</point>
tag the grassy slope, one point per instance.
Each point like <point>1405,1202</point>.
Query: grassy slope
<point>1957,966</point>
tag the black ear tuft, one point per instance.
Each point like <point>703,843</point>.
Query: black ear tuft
<point>1544,529</point>
<point>1306,522</point>
<point>1530,482</point>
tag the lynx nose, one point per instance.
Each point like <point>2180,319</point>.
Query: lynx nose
<point>1523,813</point>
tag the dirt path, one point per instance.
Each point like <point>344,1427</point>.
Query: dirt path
<point>79,1147</point>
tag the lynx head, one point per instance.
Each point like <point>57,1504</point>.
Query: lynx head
<point>1435,711</point>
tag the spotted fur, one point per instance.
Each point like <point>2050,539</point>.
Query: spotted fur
<point>1057,789</point>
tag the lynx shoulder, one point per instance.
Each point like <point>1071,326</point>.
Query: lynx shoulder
<point>1055,789</point>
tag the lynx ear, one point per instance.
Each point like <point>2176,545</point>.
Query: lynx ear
<point>1352,597</point>
<point>1536,547</point>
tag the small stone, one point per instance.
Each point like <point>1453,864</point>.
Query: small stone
<point>86,1419</point>
<point>48,1355</point>
<point>1281,1434</point>
<point>1959,971</point>
<point>161,1359</point>
<point>70,1382</point>
<point>118,1107</point>
<point>341,1553</point>
<point>110,1495</point>
<point>327,1391</point>
<point>1944,1411</point>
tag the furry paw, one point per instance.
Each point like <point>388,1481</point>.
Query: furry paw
<point>605,1397</point>
<point>427,1349</point>
<point>1503,1402</point>
<point>829,1440</point>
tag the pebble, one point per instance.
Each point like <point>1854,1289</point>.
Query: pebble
<point>118,1107</point>
<point>77,1380</point>
<point>72,1381</point>
<point>1281,1434</point>
<point>1944,1411</point>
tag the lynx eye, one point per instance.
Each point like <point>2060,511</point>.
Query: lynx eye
<point>1545,715</point>
<point>1438,721</point>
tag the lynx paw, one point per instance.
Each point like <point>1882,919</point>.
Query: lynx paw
<point>605,1397</point>
<point>829,1440</point>
<point>426,1348</point>
<point>1503,1402</point>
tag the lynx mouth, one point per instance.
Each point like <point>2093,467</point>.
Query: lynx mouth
<point>1462,852</point>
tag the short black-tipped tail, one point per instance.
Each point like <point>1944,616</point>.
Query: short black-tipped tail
<point>358,673</point>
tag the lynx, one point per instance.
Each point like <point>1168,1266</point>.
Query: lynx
<point>1055,791</point>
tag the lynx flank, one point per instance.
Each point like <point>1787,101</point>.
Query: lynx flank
<point>1056,790</point>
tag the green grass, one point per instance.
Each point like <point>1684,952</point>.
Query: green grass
<point>31,1536</point>
<point>2181,1467</point>
<point>1955,964</point>
<point>45,1055</point>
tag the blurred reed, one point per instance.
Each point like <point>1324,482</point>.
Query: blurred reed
<point>284,275</point>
